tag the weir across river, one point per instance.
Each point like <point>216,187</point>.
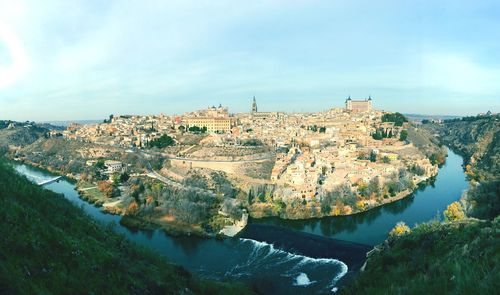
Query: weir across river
<point>55,179</point>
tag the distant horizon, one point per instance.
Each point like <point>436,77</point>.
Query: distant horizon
<point>231,112</point>
<point>63,60</point>
<point>156,114</point>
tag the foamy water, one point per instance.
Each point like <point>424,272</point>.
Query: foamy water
<point>23,170</point>
<point>301,270</point>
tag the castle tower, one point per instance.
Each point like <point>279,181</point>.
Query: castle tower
<point>254,105</point>
<point>348,103</point>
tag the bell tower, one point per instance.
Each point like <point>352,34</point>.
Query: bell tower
<point>254,105</point>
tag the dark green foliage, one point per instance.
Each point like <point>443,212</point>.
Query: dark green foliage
<point>252,142</point>
<point>100,164</point>
<point>162,142</point>
<point>373,156</point>
<point>403,135</point>
<point>377,135</point>
<point>473,118</point>
<point>251,197</point>
<point>485,200</point>
<point>124,177</point>
<point>196,129</point>
<point>397,118</point>
<point>48,246</point>
<point>417,170</point>
<point>452,258</point>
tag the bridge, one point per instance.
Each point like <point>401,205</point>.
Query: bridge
<point>55,179</point>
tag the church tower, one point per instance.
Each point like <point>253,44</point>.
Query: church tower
<point>254,105</point>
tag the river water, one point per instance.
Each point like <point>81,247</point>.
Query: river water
<point>286,257</point>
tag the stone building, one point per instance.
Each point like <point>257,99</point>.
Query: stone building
<point>358,105</point>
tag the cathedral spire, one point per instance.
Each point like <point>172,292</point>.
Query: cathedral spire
<point>254,105</point>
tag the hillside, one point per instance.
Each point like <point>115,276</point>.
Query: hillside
<point>478,140</point>
<point>19,133</point>
<point>462,254</point>
<point>436,258</point>
<point>48,246</point>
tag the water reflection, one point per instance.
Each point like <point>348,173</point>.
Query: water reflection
<point>371,227</point>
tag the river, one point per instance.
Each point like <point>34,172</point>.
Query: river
<point>284,257</point>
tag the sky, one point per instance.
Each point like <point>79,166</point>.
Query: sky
<point>71,60</point>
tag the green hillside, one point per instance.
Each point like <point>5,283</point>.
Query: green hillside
<point>436,258</point>
<point>48,246</point>
<point>461,255</point>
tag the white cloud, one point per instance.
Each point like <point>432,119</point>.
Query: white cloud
<point>19,63</point>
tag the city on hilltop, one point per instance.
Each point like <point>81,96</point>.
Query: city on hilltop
<point>213,147</point>
<point>280,164</point>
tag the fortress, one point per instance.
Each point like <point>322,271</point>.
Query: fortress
<point>358,105</point>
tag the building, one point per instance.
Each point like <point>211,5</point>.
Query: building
<point>213,124</point>
<point>215,119</point>
<point>113,166</point>
<point>254,105</point>
<point>358,105</point>
<point>256,115</point>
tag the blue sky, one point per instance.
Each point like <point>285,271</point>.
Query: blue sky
<point>63,60</point>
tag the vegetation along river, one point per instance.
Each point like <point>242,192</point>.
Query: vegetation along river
<point>287,256</point>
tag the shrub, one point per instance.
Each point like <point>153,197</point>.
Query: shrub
<point>454,212</point>
<point>399,230</point>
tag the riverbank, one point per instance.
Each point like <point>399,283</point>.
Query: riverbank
<point>91,194</point>
<point>372,226</point>
<point>240,259</point>
<point>51,246</point>
<point>266,210</point>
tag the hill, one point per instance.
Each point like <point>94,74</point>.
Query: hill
<point>19,133</point>
<point>48,246</point>
<point>478,140</point>
<point>436,258</point>
<point>462,254</point>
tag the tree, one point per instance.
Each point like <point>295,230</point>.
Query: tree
<point>326,207</point>
<point>99,164</point>
<point>417,170</point>
<point>377,135</point>
<point>374,185</point>
<point>252,142</point>
<point>124,177</point>
<point>106,188</point>
<point>373,156</point>
<point>403,135</point>
<point>399,230</point>
<point>196,129</point>
<point>454,212</point>
<point>250,196</point>
<point>162,141</point>
<point>397,118</point>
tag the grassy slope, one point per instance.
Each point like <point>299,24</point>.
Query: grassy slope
<point>48,246</point>
<point>479,141</point>
<point>436,258</point>
<point>460,257</point>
